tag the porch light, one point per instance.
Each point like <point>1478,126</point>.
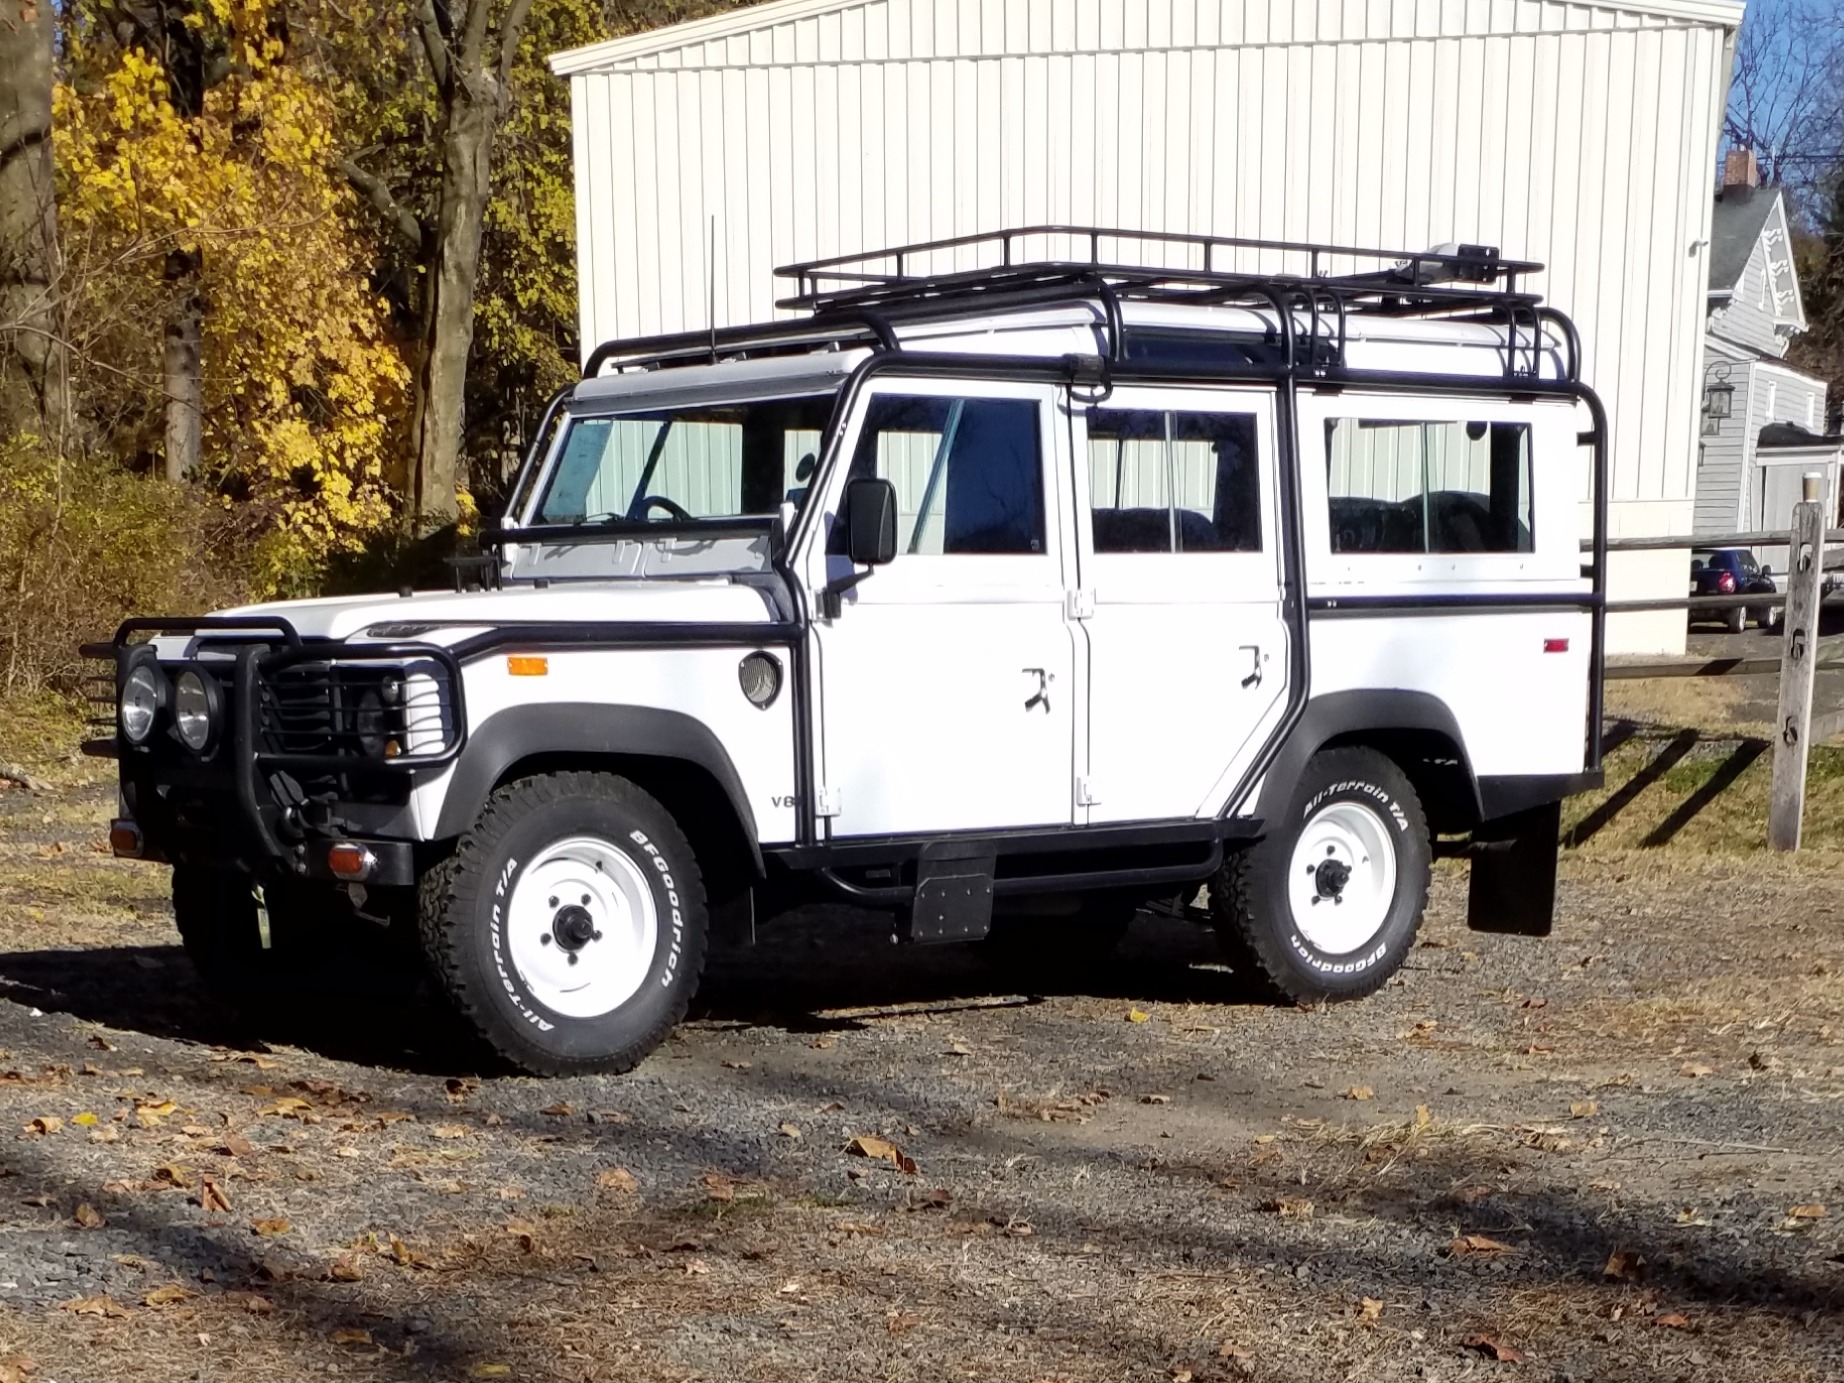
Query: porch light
<point>1718,399</point>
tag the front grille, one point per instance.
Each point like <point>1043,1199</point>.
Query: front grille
<point>381,712</point>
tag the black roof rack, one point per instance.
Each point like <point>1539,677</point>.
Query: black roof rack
<point>1317,286</point>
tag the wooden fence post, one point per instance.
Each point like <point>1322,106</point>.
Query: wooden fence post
<point>1804,577</point>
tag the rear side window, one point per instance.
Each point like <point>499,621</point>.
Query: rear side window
<point>1173,482</point>
<point>1408,487</point>
<point>969,473</point>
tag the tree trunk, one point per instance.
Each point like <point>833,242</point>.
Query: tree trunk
<point>32,356</point>
<point>182,366</point>
<point>467,155</point>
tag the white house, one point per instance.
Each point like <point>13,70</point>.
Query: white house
<point>1575,132</point>
<point>1761,418</point>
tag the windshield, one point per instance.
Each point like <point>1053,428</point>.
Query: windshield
<point>685,464</point>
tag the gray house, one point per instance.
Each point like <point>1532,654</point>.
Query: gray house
<point>1761,418</point>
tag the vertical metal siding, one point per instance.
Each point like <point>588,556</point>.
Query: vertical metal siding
<point>1562,132</point>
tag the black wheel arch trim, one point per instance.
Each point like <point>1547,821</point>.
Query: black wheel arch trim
<point>1333,714</point>
<point>587,729</point>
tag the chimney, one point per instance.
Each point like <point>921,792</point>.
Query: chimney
<point>1739,169</point>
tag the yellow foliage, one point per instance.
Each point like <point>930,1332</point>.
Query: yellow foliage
<point>303,385</point>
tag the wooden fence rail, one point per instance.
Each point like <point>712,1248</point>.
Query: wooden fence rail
<point>1802,653</point>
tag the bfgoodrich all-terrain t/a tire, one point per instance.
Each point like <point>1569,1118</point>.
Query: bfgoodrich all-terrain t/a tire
<point>1326,906</point>
<point>569,924</point>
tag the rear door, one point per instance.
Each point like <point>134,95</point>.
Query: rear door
<point>1180,581</point>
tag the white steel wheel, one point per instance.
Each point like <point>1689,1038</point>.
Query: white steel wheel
<point>1342,881</point>
<point>582,927</point>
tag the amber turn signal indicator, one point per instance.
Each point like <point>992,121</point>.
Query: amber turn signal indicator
<point>528,665</point>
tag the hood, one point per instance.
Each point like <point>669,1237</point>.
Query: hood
<point>613,602</point>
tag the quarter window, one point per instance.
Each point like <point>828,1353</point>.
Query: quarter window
<point>1426,487</point>
<point>1173,482</point>
<point>969,473</point>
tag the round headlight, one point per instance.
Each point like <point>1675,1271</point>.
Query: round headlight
<point>760,677</point>
<point>196,710</point>
<point>142,692</point>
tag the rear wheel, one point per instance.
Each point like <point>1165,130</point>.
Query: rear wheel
<point>1735,620</point>
<point>569,924</point>
<point>1327,905</point>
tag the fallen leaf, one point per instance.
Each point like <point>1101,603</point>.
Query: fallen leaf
<point>1624,1265</point>
<point>1493,1348</point>
<point>1227,1350</point>
<point>1583,1109</point>
<point>1677,1320</point>
<point>719,1187</point>
<point>88,1217</point>
<point>1369,1309</point>
<point>790,1131</point>
<point>1690,1215</point>
<point>560,1110</point>
<point>617,1179</point>
<point>85,1120</point>
<point>457,1089</point>
<point>1359,1092</point>
<point>149,1113</point>
<point>1290,1208</point>
<point>1694,1069</point>
<point>44,1124</point>
<point>345,1268</point>
<point>490,1371</point>
<point>881,1149</point>
<point>822,1043</point>
<point>1135,1015</point>
<point>107,1307</point>
<point>736,1065</point>
<point>1477,1243</point>
<point>270,1228</point>
<point>287,1107</point>
<point>15,1368</point>
<point>351,1335</point>
<point>253,1302</point>
<point>450,1131</point>
<point>101,1043</point>
<point>1806,1212</point>
<point>168,1295</point>
<point>233,1146</point>
<point>172,1175</point>
<point>211,1197</point>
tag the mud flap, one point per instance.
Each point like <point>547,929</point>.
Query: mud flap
<point>1513,889</point>
<point>953,899</point>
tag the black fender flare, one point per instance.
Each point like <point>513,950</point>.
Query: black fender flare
<point>571,728</point>
<point>1349,712</point>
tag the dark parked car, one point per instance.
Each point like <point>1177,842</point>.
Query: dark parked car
<point>1733,571</point>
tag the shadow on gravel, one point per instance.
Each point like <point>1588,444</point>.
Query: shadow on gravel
<point>802,967</point>
<point>152,990</point>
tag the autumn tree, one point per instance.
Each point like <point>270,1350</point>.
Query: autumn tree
<point>299,383</point>
<point>31,353</point>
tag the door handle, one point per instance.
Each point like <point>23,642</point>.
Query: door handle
<point>1042,695</point>
<point>1254,677</point>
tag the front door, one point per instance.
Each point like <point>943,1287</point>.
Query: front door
<point>1187,646</point>
<point>947,688</point>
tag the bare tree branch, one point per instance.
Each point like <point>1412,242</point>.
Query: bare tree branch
<point>474,34</point>
<point>435,41</point>
<point>372,189</point>
<point>1786,100</point>
<point>510,29</point>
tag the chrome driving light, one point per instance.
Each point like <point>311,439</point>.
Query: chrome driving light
<point>198,709</point>
<point>143,692</point>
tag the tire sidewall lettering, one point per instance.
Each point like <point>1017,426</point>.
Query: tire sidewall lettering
<point>1376,952</point>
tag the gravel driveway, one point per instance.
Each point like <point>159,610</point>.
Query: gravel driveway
<point>1612,1154</point>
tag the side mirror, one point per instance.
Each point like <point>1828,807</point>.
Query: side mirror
<point>870,522</point>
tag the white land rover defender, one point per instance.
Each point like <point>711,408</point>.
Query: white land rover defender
<point>1024,580</point>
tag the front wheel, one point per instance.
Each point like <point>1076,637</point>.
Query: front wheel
<point>1327,905</point>
<point>569,924</point>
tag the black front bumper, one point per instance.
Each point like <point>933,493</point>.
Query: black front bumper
<point>257,799</point>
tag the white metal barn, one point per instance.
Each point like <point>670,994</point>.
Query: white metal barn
<point>1579,134</point>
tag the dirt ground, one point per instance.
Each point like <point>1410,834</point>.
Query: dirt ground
<point>1615,1153</point>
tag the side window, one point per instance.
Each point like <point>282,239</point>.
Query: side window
<point>969,473</point>
<point>1173,482</point>
<point>1410,487</point>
